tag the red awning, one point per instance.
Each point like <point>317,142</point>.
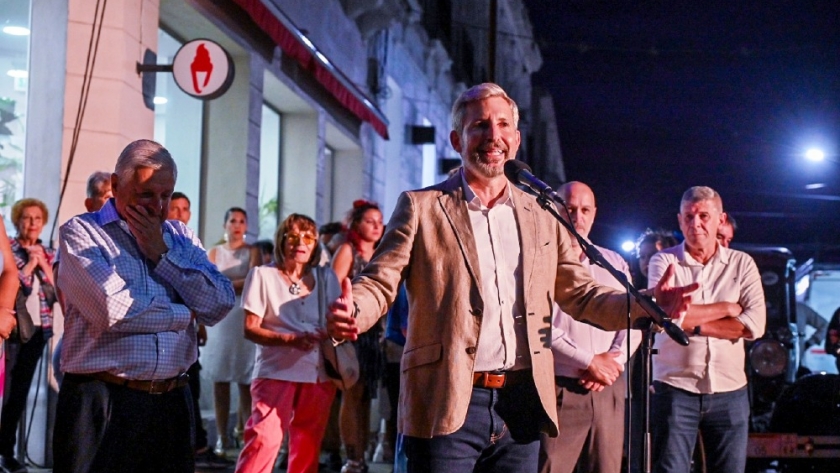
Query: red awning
<point>287,36</point>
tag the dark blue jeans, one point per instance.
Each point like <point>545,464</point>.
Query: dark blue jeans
<point>500,434</point>
<point>723,421</point>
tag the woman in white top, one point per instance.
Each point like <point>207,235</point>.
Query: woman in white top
<point>228,357</point>
<point>290,390</point>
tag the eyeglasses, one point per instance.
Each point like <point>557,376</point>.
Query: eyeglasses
<point>296,238</point>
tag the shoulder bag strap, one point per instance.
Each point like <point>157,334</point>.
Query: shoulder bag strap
<point>322,293</point>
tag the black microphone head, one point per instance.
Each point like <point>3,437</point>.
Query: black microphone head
<point>512,169</point>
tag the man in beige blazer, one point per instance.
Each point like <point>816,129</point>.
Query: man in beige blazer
<point>482,263</point>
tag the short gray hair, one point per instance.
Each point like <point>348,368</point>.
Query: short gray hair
<point>144,154</point>
<point>95,183</point>
<point>700,193</point>
<point>480,92</point>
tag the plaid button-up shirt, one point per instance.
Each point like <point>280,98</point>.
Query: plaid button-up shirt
<point>126,315</point>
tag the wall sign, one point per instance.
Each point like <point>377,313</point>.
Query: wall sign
<point>203,69</point>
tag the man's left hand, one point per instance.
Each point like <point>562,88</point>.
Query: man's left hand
<point>147,230</point>
<point>673,300</point>
<point>341,323</point>
<point>590,383</point>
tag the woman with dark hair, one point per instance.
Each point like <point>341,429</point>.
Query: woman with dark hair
<point>36,296</point>
<point>285,316</point>
<point>228,357</point>
<point>364,230</point>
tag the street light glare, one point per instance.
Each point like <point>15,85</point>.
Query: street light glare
<point>628,246</point>
<point>815,154</point>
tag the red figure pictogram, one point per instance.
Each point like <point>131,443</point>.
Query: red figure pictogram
<point>201,63</point>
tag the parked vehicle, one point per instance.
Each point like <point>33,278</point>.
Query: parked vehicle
<point>795,413</point>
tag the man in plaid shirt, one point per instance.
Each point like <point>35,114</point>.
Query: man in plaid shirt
<point>135,285</point>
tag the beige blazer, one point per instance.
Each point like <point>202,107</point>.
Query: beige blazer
<point>429,243</point>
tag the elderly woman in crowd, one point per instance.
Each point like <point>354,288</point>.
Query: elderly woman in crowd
<point>36,296</point>
<point>284,316</point>
<point>364,230</point>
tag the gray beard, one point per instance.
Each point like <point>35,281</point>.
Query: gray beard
<point>483,169</point>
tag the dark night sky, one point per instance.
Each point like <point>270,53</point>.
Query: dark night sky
<point>654,97</point>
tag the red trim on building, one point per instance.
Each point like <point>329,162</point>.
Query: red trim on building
<point>293,47</point>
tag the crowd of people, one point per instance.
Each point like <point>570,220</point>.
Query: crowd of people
<point>501,346</point>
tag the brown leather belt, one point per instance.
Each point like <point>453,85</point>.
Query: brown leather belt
<point>157,386</point>
<point>499,379</point>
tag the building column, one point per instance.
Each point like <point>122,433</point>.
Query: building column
<point>115,114</point>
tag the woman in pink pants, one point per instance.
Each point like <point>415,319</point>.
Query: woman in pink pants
<point>8,290</point>
<point>290,391</point>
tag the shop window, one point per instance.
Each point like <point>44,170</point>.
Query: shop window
<point>14,87</point>
<point>178,126</point>
<point>269,194</point>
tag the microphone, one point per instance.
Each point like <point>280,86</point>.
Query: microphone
<point>676,333</point>
<point>519,173</point>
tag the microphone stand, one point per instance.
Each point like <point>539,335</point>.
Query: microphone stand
<point>546,198</point>
<point>647,358</point>
<point>646,302</point>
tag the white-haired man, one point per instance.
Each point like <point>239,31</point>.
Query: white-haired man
<point>588,366</point>
<point>134,287</point>
<point>482,265</point>
<point>704,385</point>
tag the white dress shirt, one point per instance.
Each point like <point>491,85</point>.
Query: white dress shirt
<point>574,344</point>
<point>709,365</point>
<point>503,342</point>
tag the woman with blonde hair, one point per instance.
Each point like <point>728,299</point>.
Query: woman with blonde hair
<point>36,296</point>
<point>285,307</point>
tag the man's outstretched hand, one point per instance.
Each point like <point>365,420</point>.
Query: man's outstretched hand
<point>341,322</point>
<point>673,300</point>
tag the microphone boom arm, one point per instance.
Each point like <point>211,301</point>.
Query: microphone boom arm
<point>547,197</point>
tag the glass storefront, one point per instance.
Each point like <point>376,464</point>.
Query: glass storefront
<point>14,86</point>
